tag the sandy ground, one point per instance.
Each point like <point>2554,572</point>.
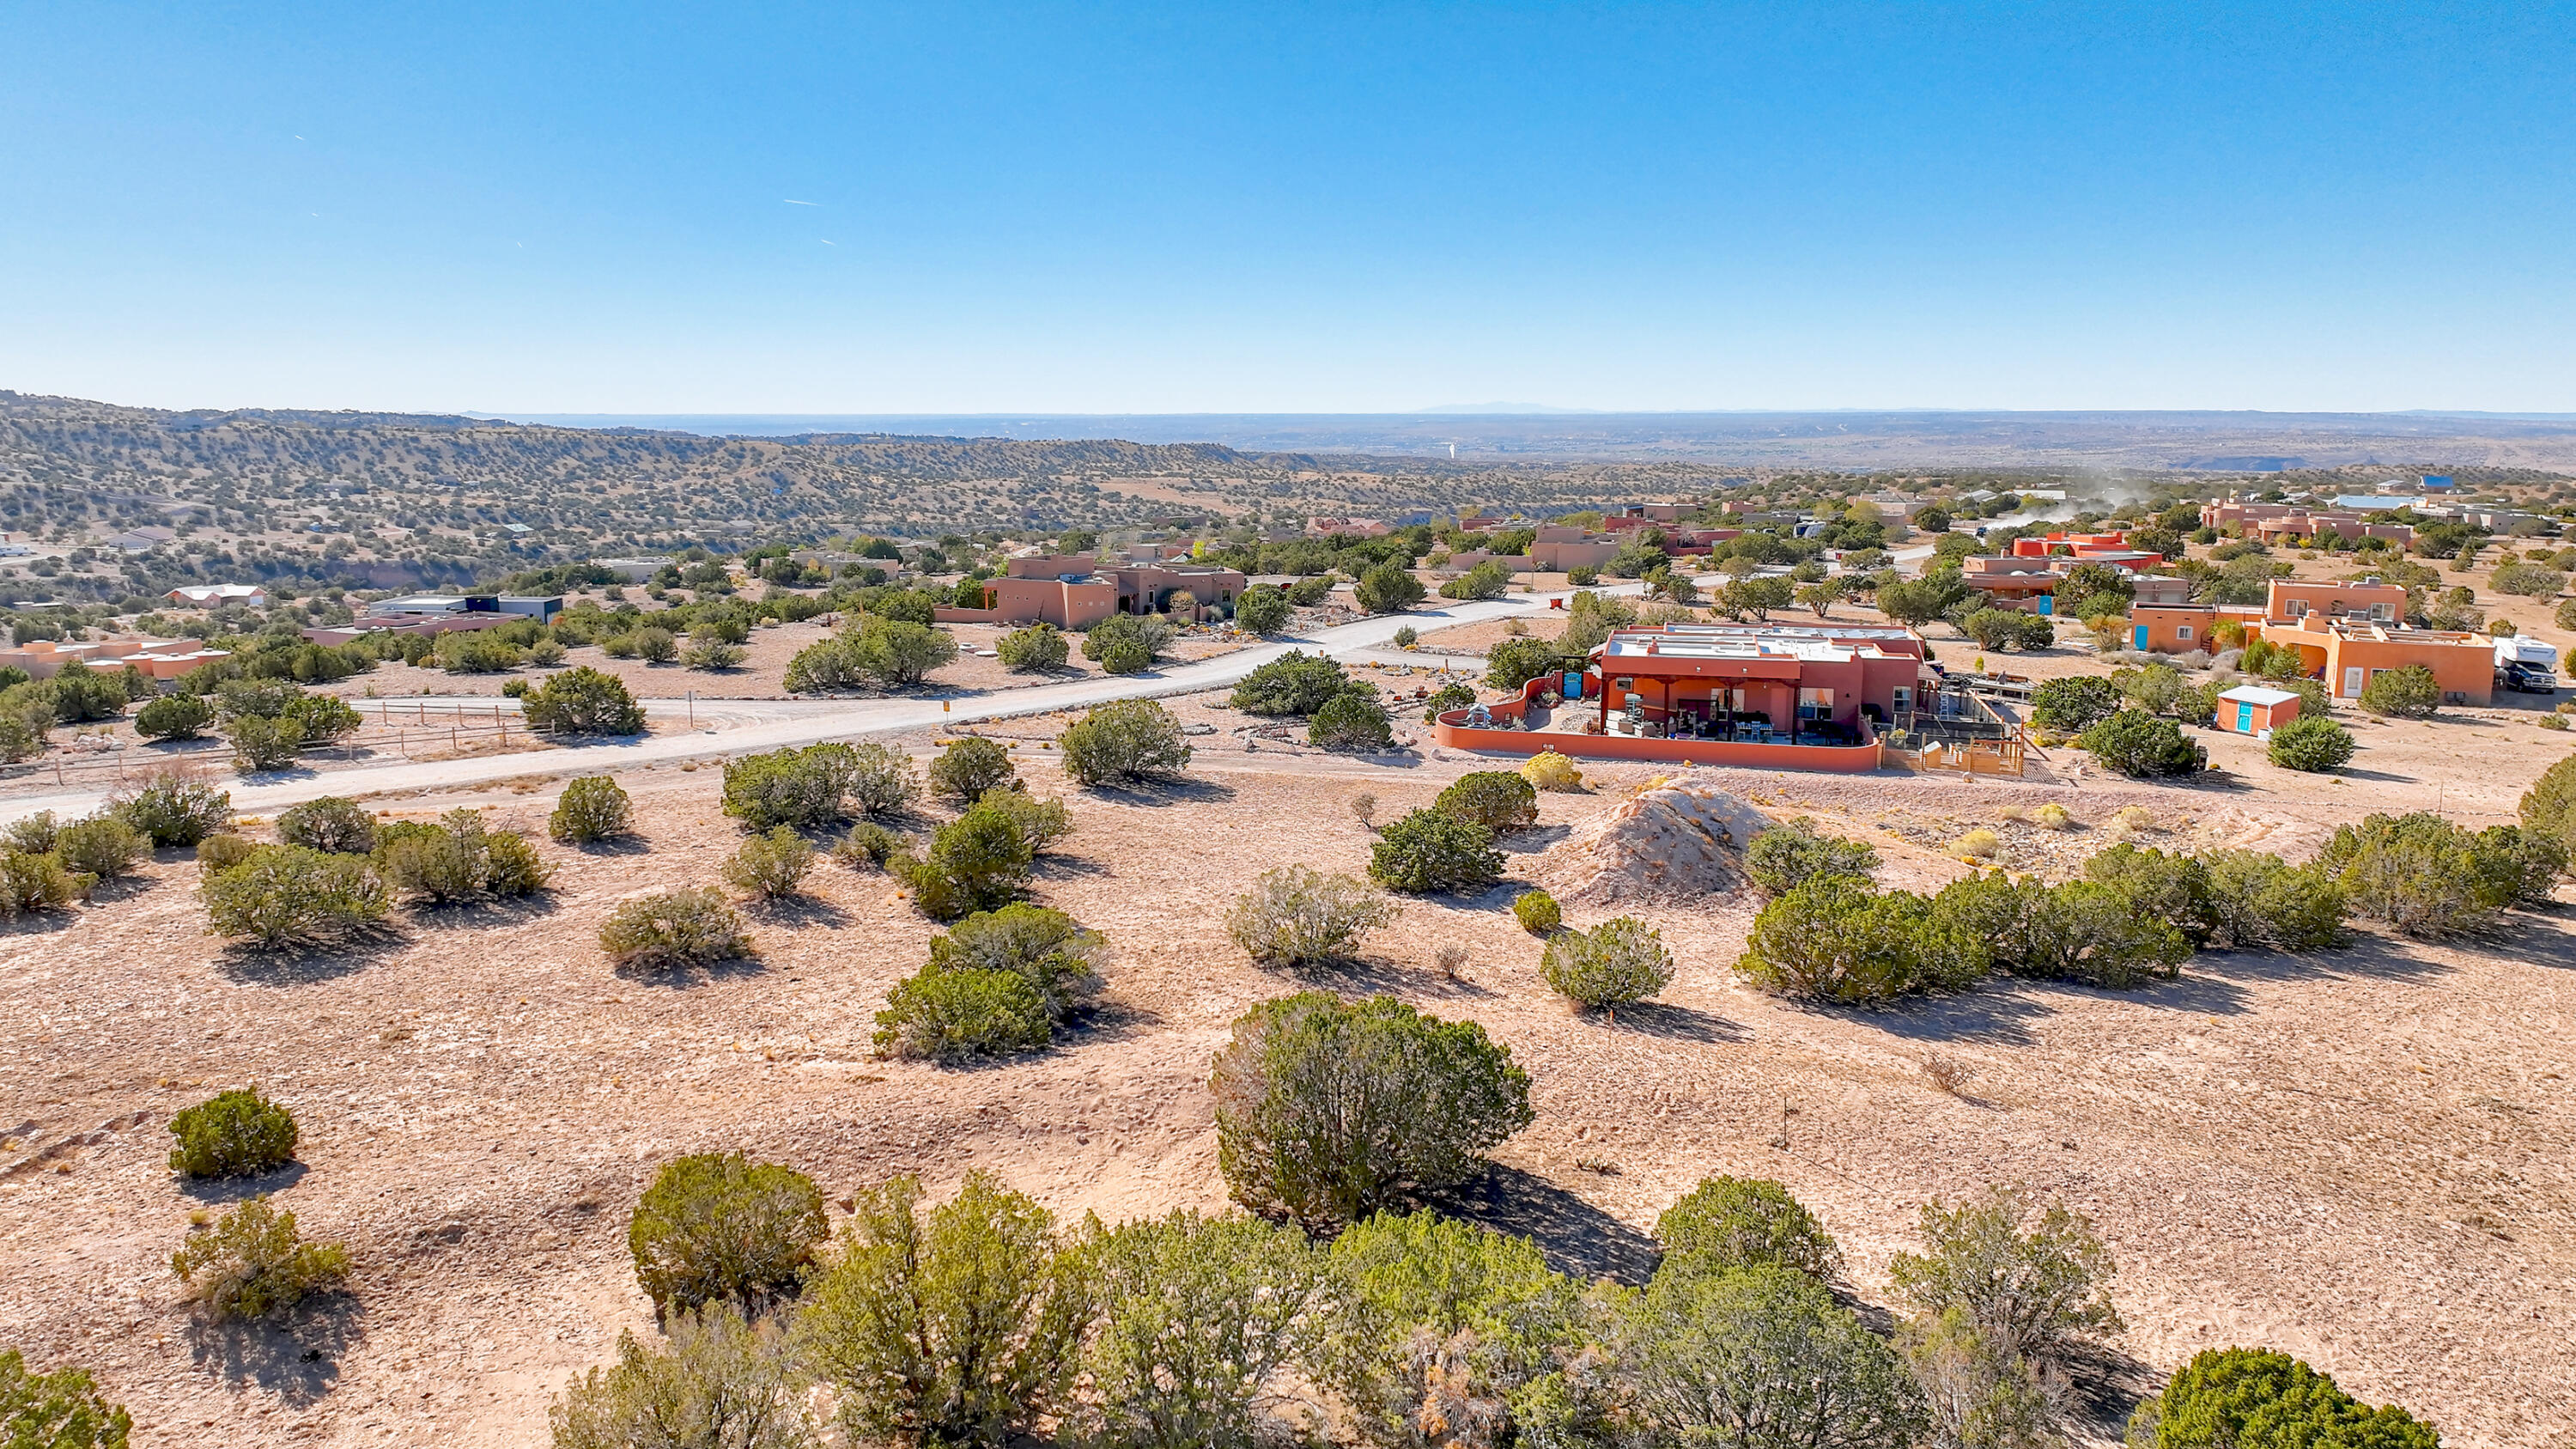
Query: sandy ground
<point>2362,1158</point>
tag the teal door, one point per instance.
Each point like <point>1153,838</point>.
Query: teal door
<point>2244,718</point>
<point>2142,639</point>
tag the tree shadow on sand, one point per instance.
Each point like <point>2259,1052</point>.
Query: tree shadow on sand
<point>1671,1021</point>
<point>304,963</point>
<point>229,1190</point>
<point>295,1356</point>
<point>1178,790</point>
<point>1576,1237</point>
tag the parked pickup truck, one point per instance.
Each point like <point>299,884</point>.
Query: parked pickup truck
<point>2526,666</point>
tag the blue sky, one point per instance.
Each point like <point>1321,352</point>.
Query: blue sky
<point>1284,207</point>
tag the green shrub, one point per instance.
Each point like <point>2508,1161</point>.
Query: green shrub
<point>1701,1356</point>
<point>1294,917</point>
<point>1048,948</point>
<point>2409,693</point>
<point>80,694</point>
<point>1512,663</point>
<point>1040,822</point>
<point>1452,695</point>
<point>1614,963</point>
<point>1263,609</point>
<point>1295,683</point>
<point>283,894</point>
<point>252,1262</point>
<point>1835,939</point>
<point>2422,874</point>
<point>232,1134</point>
<point>583,701</point>
<point>38,882</point>
<point>331,824</point>
<point>223,852</point>
<point>1443,1318</point>
<point>174,717</point>
<point>32,834</point>
<point>101,846</point>
<point>1306,593</point>
<point>457,860</point>
<point>868,843</point>
<point>22,736</point>
<point>477,652</point>
<point>946,1015</point>
<point>1538,912</point>
<point>2252,1398</point>
<point>1125,656</point>
<point>1429,852</point>
<point>2311,743</point>
<point>2141,746</point>
<point>2262,902</point>
<point>721,1382</point>
<point>674,930</point>
<point>2159,886</point>
<point>1035,649</point>
<point>719,1228</point>
<point>1328,1110</point>
<point>1352,721</point>
<point>2080,930</point>
<point>1499,800</point>
<point>770,866</point>
<point>954,1326</point>
<point>808,788</point>
<point>2549,806</point>
<point>976,862</point>
<point>969,766</point>
<point>261,743</point>
<point>1787,856</point>
<point>2075,702</point>
<point>1387,589</point>
<point>171,808</point>
<point>1728,1224</point>
<point>59,1410</point>
<point>592,807</point>
<point>1192,1318</point>
<point>657,646</point>
<point>2043,1294</point>
<point>1127,740</point>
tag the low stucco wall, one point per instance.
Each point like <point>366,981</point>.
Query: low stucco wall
<point>1449,730</point>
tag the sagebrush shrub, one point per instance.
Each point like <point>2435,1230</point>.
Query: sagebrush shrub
<point>969,766</point>
<point>1051,949</point>
<point>722,1382</point>
<point>592,807</point>
<point>976,862</point>
<point>341,827</point>
<point>1548,770</point>
<point>172,808</point>
<point>32,834</point>
<point>1498,800</point>
<point>721,1228</point>
<point>1329,1110</point>
<point>174,717</point>
<point>673,930</point>
<point>1034,649</point>
<point>232,1134</point>
<point>2311,743</point>
<point>807,788</point>
<point>944,1014</point>
<point>1351,721</point>
<point>771,865</point>
<point>1040,822</point>
<point>37,882</point>
<point>59,1410</point>
<point>457,859</point>
<point>1538,912</point>
<point>1612,964</point>
<point>280,894</point>
<point>223,852</point>
<point>1431,851</point>
<point>1127,740</point>
<point>1295,917</point>
<point>1731,1223</point>
<point>1788,855</point>
<point>101,846</point>
<point>867,843</point>
<point>583,701</point>
<point>252,1262</point>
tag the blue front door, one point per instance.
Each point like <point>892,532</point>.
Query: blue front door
<point>2142,638</point>
<point>2244,718</point>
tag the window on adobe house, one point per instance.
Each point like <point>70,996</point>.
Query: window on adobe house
<point>1815,704</point>
<point>2183,633</point>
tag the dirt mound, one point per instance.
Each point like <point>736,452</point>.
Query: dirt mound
<point>1680,837</point>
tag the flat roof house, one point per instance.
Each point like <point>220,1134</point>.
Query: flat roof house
<point>2251,709</point>
<point>1772,684</point>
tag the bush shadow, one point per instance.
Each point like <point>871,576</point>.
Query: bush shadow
<point>796,910</point>
<point>694,975</point>
<point>1672,1021</point>
<point>305,963</point>
<point>2105,1387</point>
<point>1532,840</point>
<point>1576,1237</point>
<point>486,912</point>
<point>2375,957</point>
<point>39,923</point>
<point>1047,867</point>
<point>122,888</point>
<point>295,1357</point>
<point>615,845</point>
<point>244,1188</point>
<point>1386,976</point>
<point>1173,791</point>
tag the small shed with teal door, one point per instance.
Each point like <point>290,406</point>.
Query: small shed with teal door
<point>2250,709</point>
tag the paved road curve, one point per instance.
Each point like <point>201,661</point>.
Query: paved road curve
<point>780,723</point>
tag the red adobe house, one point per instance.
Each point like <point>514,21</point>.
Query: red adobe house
<point>1792,685</point>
